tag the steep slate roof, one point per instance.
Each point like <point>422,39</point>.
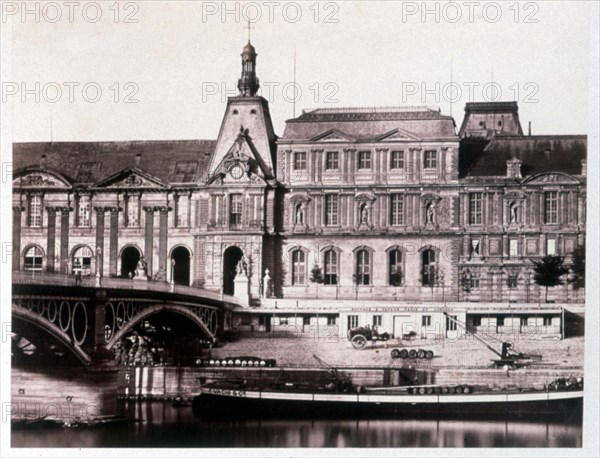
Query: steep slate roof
<point>480,157</point>
<point>365,124</point>
<point>91,162</point>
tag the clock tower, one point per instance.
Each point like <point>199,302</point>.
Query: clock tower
<point>241,186</point>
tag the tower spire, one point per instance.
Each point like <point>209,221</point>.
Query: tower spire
<point>248,84</point>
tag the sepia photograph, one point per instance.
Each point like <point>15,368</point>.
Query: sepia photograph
<point>306,228</point>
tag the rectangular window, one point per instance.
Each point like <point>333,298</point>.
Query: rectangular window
<point>513,248</point>
<point>547,321</point>
<point>377,320</point>
<point>363,268</point>
<point>183,208</point>
<point>35,211</point>
<point>300,161</point>
<point>331,210</point>
<point>332,160</point>
<point>331,320</point>
<point>352,321</point>
<point>426,320</point>
<point>235,209</point>
<point>512,281</point>
<point>475,213</point>
<point>450,324</point>
<point>298,267</point>
<point>185,171</point>
<point>397,160</point>
<point>474,282</point>
<point>306,321</point>
<point>500,321</point>
<point>397,210</point>
<point>524,321</point>
<point>476,320</point>
<point>475,247</point>
<point>551,207</point>
<point>551,247</point>
<point>133,211</point>
<point>430,159</point>
<point>364,160</point>
<point>331,267</point>
<point>83,211</point>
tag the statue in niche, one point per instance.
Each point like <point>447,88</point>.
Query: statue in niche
<point>141,270</point>
<point>299,220</point>
<point>429,213</point>
<point>513,212</point>
<point>242,266</point>
<point>266,284</point>
<point>364,214</point>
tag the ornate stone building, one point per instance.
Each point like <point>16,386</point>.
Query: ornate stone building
<point>374,204</point>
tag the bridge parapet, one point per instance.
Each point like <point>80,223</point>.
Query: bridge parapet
<point>90,320</point>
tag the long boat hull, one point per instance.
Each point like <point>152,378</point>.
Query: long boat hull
<point>224,402</point>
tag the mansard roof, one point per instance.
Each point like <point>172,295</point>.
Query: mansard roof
<point>538,154</point>
<point>365,124</point>
<point>86,163</point>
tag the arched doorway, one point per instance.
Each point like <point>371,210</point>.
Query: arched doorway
<point>130,257</point>
<point>180,260</point>
<point>231,257</point>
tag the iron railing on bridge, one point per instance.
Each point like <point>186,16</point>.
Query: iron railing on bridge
<point>44,278</point>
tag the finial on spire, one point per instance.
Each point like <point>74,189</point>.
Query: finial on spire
<point>249,28</point>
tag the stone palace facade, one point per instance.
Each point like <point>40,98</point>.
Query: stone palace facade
<point>387,204</point>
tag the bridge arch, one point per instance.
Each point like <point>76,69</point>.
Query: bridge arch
<point>155,309</point>
<point>63,337</point>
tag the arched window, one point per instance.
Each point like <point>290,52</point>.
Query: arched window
<point>298,267</point>
<point>363,267</point>
<point>429,267</point>
<point>34,258</point>
<point>331,267</point>
<point>395,267</point>
<point>82,261</point>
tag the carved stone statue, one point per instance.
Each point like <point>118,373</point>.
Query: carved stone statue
<point>513,212</point>
<point>141,270</point>
<point>429,213</point>
<point>266,284</point>
<point>364,214</point>
<point>299,214</point>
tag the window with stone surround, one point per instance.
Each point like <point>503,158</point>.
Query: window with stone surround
<point>33,259</point>
<point>82,261</point>
<point>35,211</point>
<point>475,208</point>
<point>430,159</point>
<point>133,211</point>
<point>331,267</point>
<point>397,160</point>
<point>182,211</point>
<point>363,267</point>
<point>332,160</point>
<point>300,160</point>
<point>396,209</point>
<point>551,207</point>
<point>235,209</point>
<point>331,210</point>
<point>83,211</point>
<point>298,267</point>
<point>395,267</point>
<point>364,160</point>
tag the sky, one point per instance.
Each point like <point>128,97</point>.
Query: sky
<point>152,70</point>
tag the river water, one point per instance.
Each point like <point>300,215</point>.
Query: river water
<point>159,424</point>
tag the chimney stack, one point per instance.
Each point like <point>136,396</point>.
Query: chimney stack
<point>513,168</point>
<point>584,167</point>
<point>529,130</point>
<point>138,158</point>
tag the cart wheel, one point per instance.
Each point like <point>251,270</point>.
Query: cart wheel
<point>421,354</point>
<point>404,353</point>
<point>412,354</point>
<point>359,341</point>
<point>395,353</point>
<point>428,354</point>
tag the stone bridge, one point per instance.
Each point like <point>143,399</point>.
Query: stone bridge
<point>90,315</point>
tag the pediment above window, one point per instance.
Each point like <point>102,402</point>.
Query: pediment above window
<point>332,135</point>
<point>132,178</point>
<point>40,179</point>
<point>364,198</point>
<point>397,135</point>
<point>553,177</point>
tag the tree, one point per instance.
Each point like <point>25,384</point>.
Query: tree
<point>578,267</point>
<point>316,276</point>
<point>548,270</point>
<point>396,280</point>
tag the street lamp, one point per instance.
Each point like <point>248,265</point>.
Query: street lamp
<point>172,274</point>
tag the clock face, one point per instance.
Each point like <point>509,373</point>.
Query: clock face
<point>237,172</point>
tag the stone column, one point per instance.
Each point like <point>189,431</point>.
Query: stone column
<point>113,240</point>
<point>162,236</point>
<point>149,239</point>
<point>100,240</point>
<point>16,237</point>
<point>51,239</point>
<point>64,240</point>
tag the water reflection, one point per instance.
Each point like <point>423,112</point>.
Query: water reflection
<point>160,425</point>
